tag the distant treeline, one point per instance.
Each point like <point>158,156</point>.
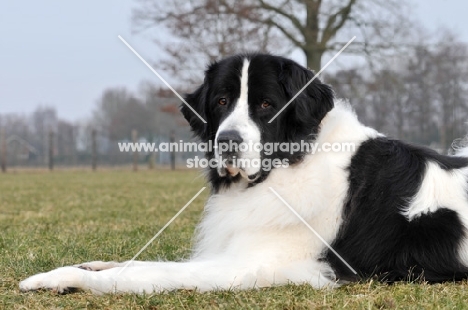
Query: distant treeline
<point>422,97</point>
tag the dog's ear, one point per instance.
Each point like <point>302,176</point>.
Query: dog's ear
<point>313,103</point>
<point>196,100</point>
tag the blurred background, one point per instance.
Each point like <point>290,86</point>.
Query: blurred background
<point>70,90</point>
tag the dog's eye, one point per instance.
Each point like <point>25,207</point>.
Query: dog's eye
<point>222,101</point>
<point>265,104</point>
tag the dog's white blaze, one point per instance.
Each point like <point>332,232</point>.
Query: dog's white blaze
<point>243,103</point>
<point>240,120</point>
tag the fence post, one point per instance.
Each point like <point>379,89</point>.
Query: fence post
<point>51,150</point>
<point>172,150</point>
<point>135,152</point>
<point>3,146</point>
<point>151,156</point>
<point>151,161</point>
<point>94,150</point>
<point>74,160</point>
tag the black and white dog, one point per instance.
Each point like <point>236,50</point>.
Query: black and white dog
<point>388,209</point>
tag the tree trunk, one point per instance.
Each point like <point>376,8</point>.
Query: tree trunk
<point>312,46</point>
<point>314,58</point>
<point>3,147</point>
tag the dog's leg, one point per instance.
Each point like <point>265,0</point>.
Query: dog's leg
<point>165,276</point>
<point>141,277</point>
<point>60,279</point>
<point>101,265</point>
<point>147,277</point>
<point>97,265</point>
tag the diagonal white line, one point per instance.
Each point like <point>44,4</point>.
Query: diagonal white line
<point>315,76</point>
<point>313,230</point>
<point>161,230</point>
<point>162,79</point>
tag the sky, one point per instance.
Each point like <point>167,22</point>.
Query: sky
<point>65,53</point>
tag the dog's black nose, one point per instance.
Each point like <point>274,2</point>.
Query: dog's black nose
<point>230,136</point>
<point>228,143</point>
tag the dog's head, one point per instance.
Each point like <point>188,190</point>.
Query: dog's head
<point>239,97</point>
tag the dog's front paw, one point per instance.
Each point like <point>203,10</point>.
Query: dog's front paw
<point>61,280</point>
<point>97,265</point>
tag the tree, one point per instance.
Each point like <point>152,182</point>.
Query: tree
<point>390,101</point>
<point>204,30</point>
<point>436,73</point>
<point>153,112</point>
<point>66,142</point>
<point>423,98</point>
<point>450,62</point>
<point>119,112</point>
<point>351,85</point>
<point>198,32</point>
<point>419,76</point>
<point>163,107</point>
<point>44,120</point>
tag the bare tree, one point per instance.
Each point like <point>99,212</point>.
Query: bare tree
<point>390,102</point>
<point>66,142</point>
<point>119,112</point>
<point>351,85</point>
<point>199,32</point>
<point>163,107</point>
<point>44,119</point>
<point>204,30</point>
<point>450,60</point>
<point>419,77</point>
<point>422,98</point>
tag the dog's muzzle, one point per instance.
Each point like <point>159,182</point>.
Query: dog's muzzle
<point>228,144</point>
<point>229,154</point>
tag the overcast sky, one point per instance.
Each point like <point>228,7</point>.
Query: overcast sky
<point>65,53</point>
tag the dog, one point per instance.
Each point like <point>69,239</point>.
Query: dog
<point>384,209</point>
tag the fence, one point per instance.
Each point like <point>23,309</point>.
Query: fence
<point>18,152</point>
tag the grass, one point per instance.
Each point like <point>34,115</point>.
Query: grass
<point>54,219</point>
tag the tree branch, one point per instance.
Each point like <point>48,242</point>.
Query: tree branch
<point>293,19</point>
<point>283,30</point>
<point>332,26</point>
<point>269,20</point>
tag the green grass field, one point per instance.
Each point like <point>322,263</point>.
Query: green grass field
<point>48,220</point>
